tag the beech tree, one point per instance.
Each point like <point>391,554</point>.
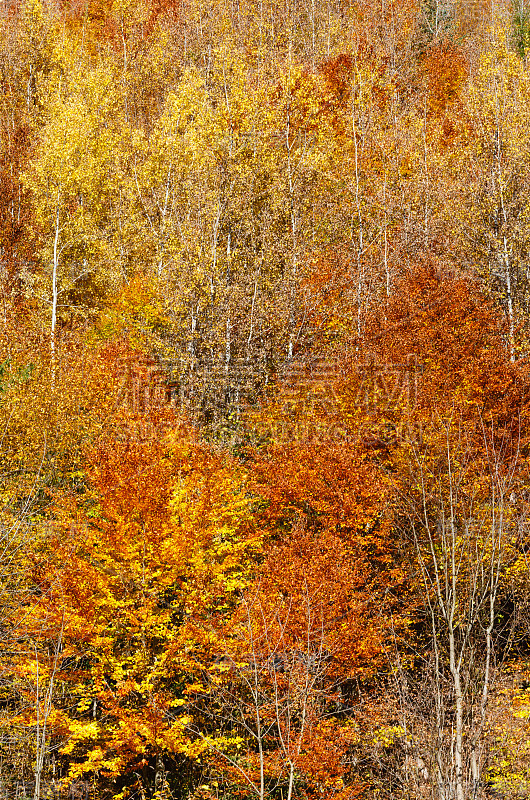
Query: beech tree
<point>146,559</point>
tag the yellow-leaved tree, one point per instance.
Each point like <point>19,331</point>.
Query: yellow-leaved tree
<point>133,572</point>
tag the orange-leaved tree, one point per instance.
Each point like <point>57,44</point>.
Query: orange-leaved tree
<point>455,446</point>
<point>130,573</point>
<point>311,634</point>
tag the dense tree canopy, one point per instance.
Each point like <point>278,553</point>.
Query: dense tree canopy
<point>264,400</point>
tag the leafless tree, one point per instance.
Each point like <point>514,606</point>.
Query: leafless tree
<point>463,523</point>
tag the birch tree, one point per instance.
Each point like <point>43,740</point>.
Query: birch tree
<point>72,179</point>
<point>492,226</point>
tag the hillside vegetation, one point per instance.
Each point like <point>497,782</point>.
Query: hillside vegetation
<point>264,400</point>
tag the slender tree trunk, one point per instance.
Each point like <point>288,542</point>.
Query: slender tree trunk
<point>294,242</point>
<point>504,223</point>
<point>454,666</point>
<point>42,726</point>
<point>55,292</point>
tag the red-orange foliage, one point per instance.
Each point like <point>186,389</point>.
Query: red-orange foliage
<point>445,69</point>
<point>455,340</point>
<point>130,574</point>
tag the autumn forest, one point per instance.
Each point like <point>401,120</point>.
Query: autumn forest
<point>264,399</point>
